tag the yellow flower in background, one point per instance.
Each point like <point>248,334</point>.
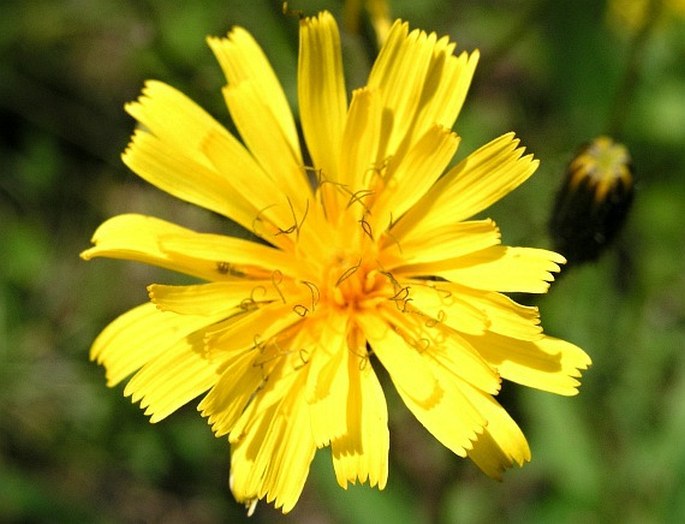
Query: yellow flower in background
<point>379,16</point>
<point>633,15</point>
<point>368,257</point>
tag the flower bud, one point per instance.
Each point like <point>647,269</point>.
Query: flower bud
<point>594,200</point>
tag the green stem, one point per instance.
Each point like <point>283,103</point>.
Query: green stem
<point>631,78</point>
<point>517,31</point>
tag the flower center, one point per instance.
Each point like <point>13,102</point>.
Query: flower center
<point>354,282</point>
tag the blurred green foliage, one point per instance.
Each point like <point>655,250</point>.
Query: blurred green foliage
<point>558,73</point>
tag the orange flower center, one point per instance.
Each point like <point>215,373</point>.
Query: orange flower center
<point>355,281</point>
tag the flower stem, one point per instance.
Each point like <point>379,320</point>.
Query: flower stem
<point>631,78</point>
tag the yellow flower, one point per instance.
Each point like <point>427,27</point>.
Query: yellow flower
<point>632,15</point>
<point>366,258</point>
<point>379,16</point>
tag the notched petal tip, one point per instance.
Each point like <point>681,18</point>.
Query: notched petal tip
<point>322,17</point>
<point>473,57</point>
<point>152,295</point>
<point>545,363</point>
<point>578,363</point>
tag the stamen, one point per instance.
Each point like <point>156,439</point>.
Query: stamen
<point>304,359</point>
<point>321,180</point>
<point>314,290</point>
<point>387,274</point>
<point>444,292</point>
<point>300,310</point>
<point>280,352</point>
<point>366,227</point>
<point>248,304</point>
<point>401,297</point>
<point>259,219</point>
<point>276,279</point>
<point>377,170</point>
<point>297,225</point>
<point>421,344</point>
<point>348,273</point>
<point>356,198</point>
<point>254,291</point>
<point>432,322</point>
<point>388,232</point>
<point>258,344</point>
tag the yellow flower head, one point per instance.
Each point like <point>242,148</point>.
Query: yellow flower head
<point>379,16</point>
<point>632,16</point>
<point>365,258</point>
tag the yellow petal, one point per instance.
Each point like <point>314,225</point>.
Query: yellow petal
<point>191,156</point>
<point>252,328</point>
<point>327,385</point>
<point>261,132</point>
<point>185,176</point>
<point>140,336</point>
<point>271,204</point>
<point>423,84</point>
<point>487,175</point>
<point>399,74</point>
<point>271,458</point>
<point>379,14</point>
<point>404,362</point>
<point>232,392</point>
<point>136,237</point>
<point>251,369</point>
<point>327,422</point>
<point>321,91</point>
<point>447,242</point>
<point>549,364</point>
<point>409,176</point>
<point>246,476</point>
<point>291,454</point>
<point>243,60</point>
<point>174,118</point>
<point>437,344</point>
<point>459,359</point>
<point>478,181</point>
<point>504,316</point>
<point>362,454</point>
<point>451,419</point>
<point>216,298</point>
<point>360,142</point>
<point>447,82</point>
<point>244,256</point>
<point>502,444</point>
<point>499,268</point>
<point>174,377</point>
<point>211,257</point>
<point>441,304</point>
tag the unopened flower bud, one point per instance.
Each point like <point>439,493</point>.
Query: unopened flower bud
<point>594,200</point>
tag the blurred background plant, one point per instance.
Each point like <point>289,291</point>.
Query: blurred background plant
<point>558,73</point>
